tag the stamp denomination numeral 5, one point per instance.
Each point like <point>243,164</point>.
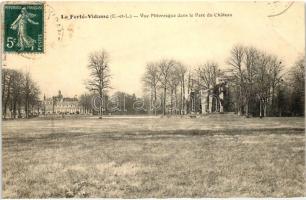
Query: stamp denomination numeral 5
<point>10,42</point>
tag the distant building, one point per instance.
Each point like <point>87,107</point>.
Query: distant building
<point>215,99</point>
<point>62,105</point>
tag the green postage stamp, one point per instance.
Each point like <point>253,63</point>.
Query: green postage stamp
<point>24,28</point>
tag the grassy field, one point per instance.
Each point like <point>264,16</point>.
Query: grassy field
<point>213,156</point>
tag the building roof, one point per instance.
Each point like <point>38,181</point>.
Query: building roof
<point>70,99</point>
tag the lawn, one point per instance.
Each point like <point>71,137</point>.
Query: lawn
<point>212,156</point>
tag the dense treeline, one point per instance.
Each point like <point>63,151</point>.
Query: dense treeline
<point>120,103</point>
<point>20,94</point>
<point>256,78</point>
<point>258,84</point>
<point>294,93</point>
<point>165,84</point>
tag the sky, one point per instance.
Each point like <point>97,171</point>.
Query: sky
<point>131,43</point>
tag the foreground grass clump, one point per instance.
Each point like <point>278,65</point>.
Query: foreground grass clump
<point>153,158</point>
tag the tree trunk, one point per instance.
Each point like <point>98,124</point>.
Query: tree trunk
<point>184,100</point>
<point>14,109</point>
<point>7,97</point>
<point>260,109</point>
<point>19,110</point>
<point>181,97</point>
<point>155,100</point>
<point>239,110</point>
<point>27,107</point>
<point>265,108</point>
<point>3,92</point>
<point>247,109</point>
<point>171,101</point>
<point>240,101</point>
<point>164,101</point>
<point>53,102</point>
<point>272,100</point>
<point>151,102</point>
<point>101,105</point>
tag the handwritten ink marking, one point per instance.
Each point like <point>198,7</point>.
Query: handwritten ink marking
<point>282,12</point>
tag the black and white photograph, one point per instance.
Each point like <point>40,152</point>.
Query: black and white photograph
<point>152,99</point>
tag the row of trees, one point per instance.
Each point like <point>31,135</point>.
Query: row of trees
<point>256,77</point>
<point>118,103</point>
<point>262,87</point>
<point>293,94</point>
<point>258,84</point>
<point>169,85</point>
<point>169,76</point>
<point>20,94</point>
<point>173,84</point>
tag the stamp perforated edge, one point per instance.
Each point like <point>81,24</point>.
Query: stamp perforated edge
<point>43,3</point>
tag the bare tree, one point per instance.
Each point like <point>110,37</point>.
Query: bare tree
<point>6,89</point>
<point>207,77</point>
<point>31,93</point>
<point>236,62</point>
<point>174,80</point>
<point>208,74</point>
<point>17,93</point>
<point>297,75</point>
<point>165,67</point>
<point>85,102</point>
<point>275,75</point>
<point>182,73</point>
<point>263,82</point>
<point>297,83</point>
<point>99,74</point>
<point>151,81</point>
<point>250,62</point>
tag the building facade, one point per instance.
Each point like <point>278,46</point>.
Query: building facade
<point>215,99</point>
<point>62,105</point>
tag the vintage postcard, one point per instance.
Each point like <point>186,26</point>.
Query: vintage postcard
<point>152,99</point>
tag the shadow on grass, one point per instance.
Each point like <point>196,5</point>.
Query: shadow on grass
<point>142,135</point>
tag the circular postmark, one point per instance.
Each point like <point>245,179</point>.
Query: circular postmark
<point>43,29</point>
<point>277,8</point>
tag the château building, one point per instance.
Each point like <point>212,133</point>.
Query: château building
<point>62,105</point>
